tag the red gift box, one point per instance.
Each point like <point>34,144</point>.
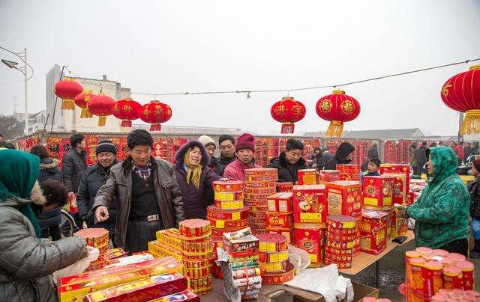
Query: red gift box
<point>349,172</point>
<point>377,191</point>
<point>280,202</point>
<point>307,177</point>
<point>279,220</point>
<point>287,233</point>
<point>344,198</point>
<point>328,176</point>
<point>310,239</point>
<point>374,231</point>
<point>397,168</point>
<point>399,188</point>
<point>309,204</point>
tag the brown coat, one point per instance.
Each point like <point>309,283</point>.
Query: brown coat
<point>119,185</point>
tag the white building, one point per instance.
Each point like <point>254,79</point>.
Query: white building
<point>69,120</point>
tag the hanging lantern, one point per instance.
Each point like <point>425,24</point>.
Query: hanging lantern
<point>101,105</point>
<point>337,108</point>
<point>127,110</point>
<point>288,111</point>
<point>462,93</point>
<point>155,113</point>
<point>81,101</point>
<point>67,90</point>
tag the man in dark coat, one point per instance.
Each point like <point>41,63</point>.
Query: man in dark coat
<point>93,179</point>
<point>344,155</point>
<point>227,152</point>
<point>289,162</point>
<point>467,151</point>
<point>326,157</point>
<point>147,194</point>
<point>48,167</point>
<point>373,151</point>
<point>194,179</point>
<point>419,159</point>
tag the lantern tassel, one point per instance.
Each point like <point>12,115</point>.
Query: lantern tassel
<point>126,124</point>
<point>335,129</point>
<point>155,127</point>
<point>85,113</point>
<point>471,123</point>
<point>288,128</point>
<point>102,120</point>
<point>68,104</point>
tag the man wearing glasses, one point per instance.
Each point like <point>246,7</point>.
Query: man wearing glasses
<point>289,162</point>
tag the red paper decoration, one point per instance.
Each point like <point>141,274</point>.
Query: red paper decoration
<point>155,113</point>
<point>288,111</point>
<point>127,110</point>
<point>337,108</point>
<point>462,93</point>
<point>101,105</point>
<point>81,101</point>
<point>67,90</point>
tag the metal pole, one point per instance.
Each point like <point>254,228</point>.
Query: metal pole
<point>26,94</point>
<point>460,125</point>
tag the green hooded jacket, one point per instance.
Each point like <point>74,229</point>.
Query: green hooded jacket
<point>442,212</point>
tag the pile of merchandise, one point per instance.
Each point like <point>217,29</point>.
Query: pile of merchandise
<point>274,263</point>
<point>259,184</point>
<point>280,215</point>
<point>452,295</point>
<point>168,243</point>
<point>97,238</point>
<point>341,234</point>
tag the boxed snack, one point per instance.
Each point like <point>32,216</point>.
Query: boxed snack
<point>377,191</point>
<point>310,239</point>
<point>307,177</point>
<point>344,198</point>
<point>349,172</point>
<point>279,220</point>
<point>309,204</point>
<point>280,202</point>
<point>141,290</point>
<point>400,192</point>
<point>328,176</point>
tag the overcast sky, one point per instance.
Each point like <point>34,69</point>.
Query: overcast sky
<point>177,46</point>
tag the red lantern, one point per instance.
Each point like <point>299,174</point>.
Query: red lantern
<point>127,110</point>
<point>155,113</point>
<point>288,111</point>
<point>101,105</point>
<point>337,108</point>
<point>81,101</point>
<point>462,93</point>
<point>67,90</point>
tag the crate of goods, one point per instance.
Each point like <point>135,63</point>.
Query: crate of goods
<point>341,234</point>
<point>349,172</point>
<point>260,183</point>
<point>310,239</point>
<point>147,289</point>
<point>97,238</point>
<point>307,177</point>
<point>325,176</point>
<point>374,231</point>
<point>395,169</point>
<point>309,204</point>
<point>284,186</point>
<point>344,198</point>
<point>399,194</point>
<point>197,247</point>
<point>377,192</point>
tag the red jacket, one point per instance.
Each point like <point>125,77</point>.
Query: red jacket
<point>236,170</point>
<point>459,151</point>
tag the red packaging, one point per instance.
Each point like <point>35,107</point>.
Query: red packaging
<point>399,188</point>
<point>271,243</point>
<point>310,239</point>
<point>279,220</point>
<point>349,172</point>
<point>279,278</point>
<point>280,202</point>
<point>185,296</point>
<point>397,168</point>
<point>141,290</point>
<point>325,176</point>
<point>374,231</point>
<point>467,268</point>
<point>289,234</point>
<point>344,198</point>
<point>216,213</point>
<point>309,204</point>
<point>377,191</point>
<point>307,177</point>
<point>432,278</point>
<point>284,186</point>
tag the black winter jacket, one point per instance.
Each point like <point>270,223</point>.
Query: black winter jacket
<point>286,171</point>
<point>222,163</point>
<point>49,170</point>
<point>343,151</point>
<point>73,166</point>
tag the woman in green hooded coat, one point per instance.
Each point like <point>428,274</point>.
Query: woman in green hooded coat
<point>26,262</point>
<point>442,212</point>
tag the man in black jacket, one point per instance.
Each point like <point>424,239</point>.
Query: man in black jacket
<point>419,159</point>
<point>93,179</point>
<point>227,152</point>
<point>344,155</point>
<point>289,162</point>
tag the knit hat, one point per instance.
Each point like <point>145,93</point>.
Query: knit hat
<point>206,140</point>
<point>476,163</point>
<point>106,145</point>
<point>226,137</point>
<point>245,141</point>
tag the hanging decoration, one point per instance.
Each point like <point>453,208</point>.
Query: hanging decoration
<point>155,113</point>
<point>101,105</point>
<point>288,111</point>
<point>337,108</point>
<point>67,90</point>
<point>81,101</point>
<point>462,93</point>
<point>127,110</point>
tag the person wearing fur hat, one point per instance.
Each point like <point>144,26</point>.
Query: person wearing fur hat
<point>289,162</point>
<point>474,190</point>
<point>211,147</point>
<point>92,180</point>
<point>26,262</point>
<point>194,178</point>
<point>227,152</point>
<point>245,153</point>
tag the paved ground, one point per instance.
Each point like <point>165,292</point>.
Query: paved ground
<point>392,273</point>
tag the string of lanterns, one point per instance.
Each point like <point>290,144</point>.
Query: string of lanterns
<point>461,93</point>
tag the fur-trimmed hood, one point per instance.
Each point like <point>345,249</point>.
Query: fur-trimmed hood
<point>181,153</point>
<point>36,197</point>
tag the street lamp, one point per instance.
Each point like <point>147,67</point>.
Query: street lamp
<point>24,71</point>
